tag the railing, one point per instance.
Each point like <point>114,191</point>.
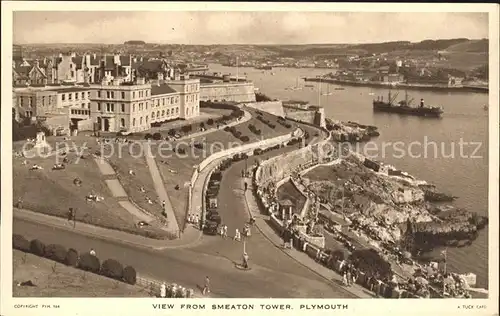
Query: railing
<point>172,290</point>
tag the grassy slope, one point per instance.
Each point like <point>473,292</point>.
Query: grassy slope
<point>65,281</point>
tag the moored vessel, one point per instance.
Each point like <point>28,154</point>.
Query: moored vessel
<point>404,107</point>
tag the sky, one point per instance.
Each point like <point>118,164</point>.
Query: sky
<point>112,27</point>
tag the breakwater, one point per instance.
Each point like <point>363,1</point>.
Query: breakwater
<point>376,84</point>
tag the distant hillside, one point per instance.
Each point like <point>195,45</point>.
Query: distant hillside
<point>455,45</point>
<point>473,46</point>
<point>134,43</point>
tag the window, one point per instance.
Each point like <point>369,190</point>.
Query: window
<point>122,122</point>
<point>76,96</point>
<point>146,105</point>
<point>177,110</point>
<point>88,105</point>
<point>140,121</point>
<point>98,94</point>
<point>98,106</point>
<point>29,113</point>
<point>133,94</point>
<point>108,94</point>
<point>133,107</point>
<point>163,113</point>
<point>83,95</point>
<point>158,114</point>
<point>112,107</point>
<point>83,105</point>
<point>163,101</point>
<point>133,121</point>
<point>70,96</point>
<point>123,94</point>
<point>72,73</point>
<point>168,112</point>
<point>43,101</point>
<point>88,94</point>
<point>63,96</point>
<point>123,107</point>
<point>153,115</point>
<point>147,119</point>
<point>108,107</point>
<point>112,95</point>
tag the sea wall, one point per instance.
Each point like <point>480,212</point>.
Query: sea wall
<point>315,116</point>
<point>273,107</point>
<point>228,91</point>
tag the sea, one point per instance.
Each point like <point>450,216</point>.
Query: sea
<point>451,152</point>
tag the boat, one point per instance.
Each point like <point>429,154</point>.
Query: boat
<point>309,85</point>
<point>404,107</point>
<point>339,88</point>
<point>297,86</point>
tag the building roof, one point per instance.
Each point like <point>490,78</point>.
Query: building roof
<point>161,89</point>
<point>69,89</point>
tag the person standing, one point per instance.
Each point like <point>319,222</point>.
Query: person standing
<point>237,235</point>
<point>349,278</point>
<point>344,279</point>
<point>206,288</point>
<point>225,231</point>
<point>163,203</point>
<point>246,186</point>
<point>163,290</point>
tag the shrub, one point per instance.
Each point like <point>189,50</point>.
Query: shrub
<point>129,275</point>
<point>272,126</point>
<point>156,136</point>
<point>112,269</point>
<point>226,117</point>
<point>71,257</point>
<point>371,263</point>
<point>90,263</point>
<point>171,132</point>
<point>226,129</point>
<point>187,128</point>
<point>55,252</point>
<point>148,136</point>
<point>202,125</point>
<point>245,138</point>
<point>20,243</point>
<point>237,134</point>
<point>210,122</point>
<point>37,247</point>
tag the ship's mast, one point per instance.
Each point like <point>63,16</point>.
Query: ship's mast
<point>406,97</point>
<point>389,100</point>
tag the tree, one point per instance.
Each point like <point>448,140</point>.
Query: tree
<point>55,252</point>
<point>210,122</point>
<point>72,257</point>
<point>90,263</point>
<point>37,247</point>
<point>112,269</point>
<point>20,243</point>
<point>129,275</point>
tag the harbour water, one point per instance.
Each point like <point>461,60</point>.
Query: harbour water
<point>464,125</point>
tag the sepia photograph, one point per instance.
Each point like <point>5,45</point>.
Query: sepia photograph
<point>201,152</point>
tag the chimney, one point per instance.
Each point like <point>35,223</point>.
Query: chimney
<point>37,63</point>
<point>95,56</point>
<point>87,60</point>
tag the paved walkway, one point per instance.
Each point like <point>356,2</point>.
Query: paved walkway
<point>172,224</point>
<point>297,255</point>
<point>190,238</point>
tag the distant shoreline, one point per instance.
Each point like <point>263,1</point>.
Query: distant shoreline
<point>424,87</point>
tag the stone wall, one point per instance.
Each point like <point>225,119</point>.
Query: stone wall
<point>273,107</point>
<point>309,116</point>
<point>228,91</point>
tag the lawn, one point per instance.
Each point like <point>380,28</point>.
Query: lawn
<point>128,158</point>
<point>64,281</point>
<point>53,192</point>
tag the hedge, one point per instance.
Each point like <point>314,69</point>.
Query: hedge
<point>148,136</point>
<point>90,263</point>
<point>37,247</point>
<point>112,269</point>
<point>210,122</point>
<point>20,243</point>
<point>129,275</point>
<point>156,136</point>
<point>72,258</point>
<point>55,252</point>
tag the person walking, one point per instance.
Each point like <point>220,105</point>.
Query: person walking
<point>206,288</point>
<point>344,279</point>
<point>246,186</point>
<point>237,235</point>
<point>224,234</point>
<point>221,231</point>
<point>349,278</point>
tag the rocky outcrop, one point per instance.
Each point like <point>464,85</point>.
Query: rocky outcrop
<point>432,195</point>
<point>351,131</point>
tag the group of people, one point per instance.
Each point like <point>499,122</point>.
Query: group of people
<point>193,219</point>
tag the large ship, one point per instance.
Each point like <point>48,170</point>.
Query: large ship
<point>404,107</point>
